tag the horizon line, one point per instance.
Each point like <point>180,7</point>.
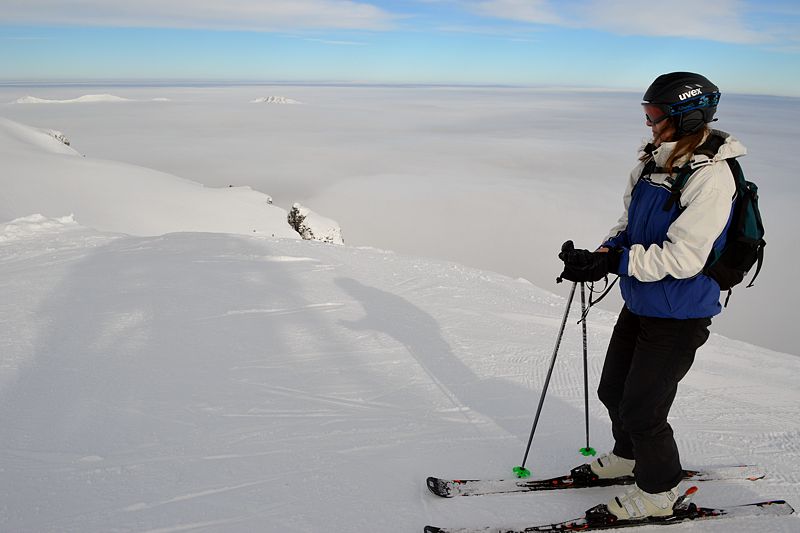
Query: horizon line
<point>212,82</point>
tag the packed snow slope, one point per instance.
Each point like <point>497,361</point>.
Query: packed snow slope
<point>40,174</point>
<point>238,383</point>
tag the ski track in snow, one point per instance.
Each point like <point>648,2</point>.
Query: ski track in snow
<point>218,383</point>
<point>310,307</point>
<point>185,497</point>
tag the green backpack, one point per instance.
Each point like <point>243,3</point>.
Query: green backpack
<point>744,243</point>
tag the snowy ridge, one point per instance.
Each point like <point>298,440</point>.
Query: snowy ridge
<point>36,140</point>
<point>118,197</point>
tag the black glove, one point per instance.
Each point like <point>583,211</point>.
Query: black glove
<point>584,266</point>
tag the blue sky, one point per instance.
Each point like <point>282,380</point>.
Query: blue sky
<point>743,46</point>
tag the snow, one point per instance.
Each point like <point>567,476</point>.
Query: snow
<point>87,98</point>
<point>274,100</point>
<point>21,138</point>
<point>163,367</point>
<point>59,136</point>
<point>314,227</point>
<point>34,225</point>
<point>43,175</point>
<point>237,383</point>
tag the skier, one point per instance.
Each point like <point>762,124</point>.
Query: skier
<point>659,248</point>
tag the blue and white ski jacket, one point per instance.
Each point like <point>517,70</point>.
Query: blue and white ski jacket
<point>664,252</point>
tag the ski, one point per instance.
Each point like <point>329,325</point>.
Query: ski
<point>598,518</point>
<point>579,477</point>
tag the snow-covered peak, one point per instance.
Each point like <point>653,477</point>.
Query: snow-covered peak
<point>274,100</point>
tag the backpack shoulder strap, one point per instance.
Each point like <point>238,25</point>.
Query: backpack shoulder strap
<point>709,148</point>
<point>736,170</point>
<point>677,186</point>
<point>648,168</point>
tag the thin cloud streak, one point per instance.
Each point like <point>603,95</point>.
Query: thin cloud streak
<point>249,15</point>
<point>531,11</point>
<point>517,33</point>
<point>337,43</point>
<point>729,21</point>
<point>722,21</point>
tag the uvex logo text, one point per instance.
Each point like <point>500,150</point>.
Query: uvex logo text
<point>689,94</point>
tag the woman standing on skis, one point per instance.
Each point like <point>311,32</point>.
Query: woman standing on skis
<point>659,248</point>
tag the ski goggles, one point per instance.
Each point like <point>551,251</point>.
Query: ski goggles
<point>655,113</point>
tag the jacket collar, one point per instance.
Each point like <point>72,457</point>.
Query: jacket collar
<point>662,153</point>
<point>731,148</point>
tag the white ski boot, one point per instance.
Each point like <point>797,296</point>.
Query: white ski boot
<point>636,504</point>
<point>609,466</point>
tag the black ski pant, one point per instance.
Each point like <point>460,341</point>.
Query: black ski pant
<point>646,359</point>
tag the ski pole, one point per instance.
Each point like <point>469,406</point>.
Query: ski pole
<point>588,450</point>
<point>521,471</point>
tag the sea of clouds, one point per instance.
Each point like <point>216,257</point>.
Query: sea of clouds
<point>495,178</point>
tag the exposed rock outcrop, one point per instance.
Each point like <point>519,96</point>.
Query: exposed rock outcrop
<point>314,227</point>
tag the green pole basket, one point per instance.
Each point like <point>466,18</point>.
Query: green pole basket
<point>522,472</point>
<point>586,452</point>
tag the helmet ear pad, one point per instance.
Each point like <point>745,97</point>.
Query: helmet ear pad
<point>691,121</point>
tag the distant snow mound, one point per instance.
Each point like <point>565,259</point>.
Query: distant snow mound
<point>314,227</point>
<point>23,227</point>
<point>87,98</point>
<point>274,100</point>
<point>57,135</point>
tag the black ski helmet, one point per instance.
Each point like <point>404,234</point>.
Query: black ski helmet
<point>689,97</point>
